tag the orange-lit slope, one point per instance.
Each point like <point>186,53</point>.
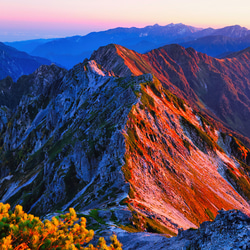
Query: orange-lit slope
<point>177,171</point>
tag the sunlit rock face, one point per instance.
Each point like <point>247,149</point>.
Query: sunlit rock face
<point>179,164</point>
<point>111,135</point>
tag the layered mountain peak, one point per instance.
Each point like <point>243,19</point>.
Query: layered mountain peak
<point>110,57</point>
<point>200,79</point>
<point>233,31</point>
<point>41,82</point>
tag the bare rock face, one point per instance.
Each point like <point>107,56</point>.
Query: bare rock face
<point>178,172</point>
<point>42,82</point>
<point>230,230</point>
<point>109,58</point>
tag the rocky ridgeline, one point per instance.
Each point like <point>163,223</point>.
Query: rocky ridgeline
<point>229,231</point>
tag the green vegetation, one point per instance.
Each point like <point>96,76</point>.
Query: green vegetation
<point>19,230</point>
<point>125,201</point>
<point>187,144</point>
<point>131,192</point>
<point>129,228</point>
<point>127,172</point>
<point>205,122</point>
<point>178,102</point>
<point>244,168</point>
<point>155,227</point>
<point>209,213</point>
<point>211,144</point>
<point>240,183</point>
<point>141,223</point>
<point>146,99</point>
<point>94,213</point>
<point>155,88</point>
<point>132,140</point>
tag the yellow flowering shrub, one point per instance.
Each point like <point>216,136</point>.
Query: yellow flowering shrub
<point>19,231</point>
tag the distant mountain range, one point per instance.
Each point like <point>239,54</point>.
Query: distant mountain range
<point>71,50</point>
<point>15,63</point>
<point>218,46</point>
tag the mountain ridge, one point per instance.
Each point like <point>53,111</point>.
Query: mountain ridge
<point>193,75</point>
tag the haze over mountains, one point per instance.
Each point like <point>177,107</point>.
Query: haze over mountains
<point>71,50</point>
<point>15,63</point>
<point>150,142</point>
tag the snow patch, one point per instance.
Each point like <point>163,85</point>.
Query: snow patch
<point>94,68</point>
<point>143,35</point>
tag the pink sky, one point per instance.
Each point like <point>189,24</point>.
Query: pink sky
<point>26,19</point>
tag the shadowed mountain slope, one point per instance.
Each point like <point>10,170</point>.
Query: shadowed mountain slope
<point>35,84</point>
<point>218,45</point>
<point>15,63</point>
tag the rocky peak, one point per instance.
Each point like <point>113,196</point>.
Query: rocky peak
<point>45,78</point>
<point>193,76</point>
<point>108,56</point>
<point>235,31</point>
<point>231,229</point>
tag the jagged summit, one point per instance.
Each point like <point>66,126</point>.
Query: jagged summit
<point>229,230</point>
